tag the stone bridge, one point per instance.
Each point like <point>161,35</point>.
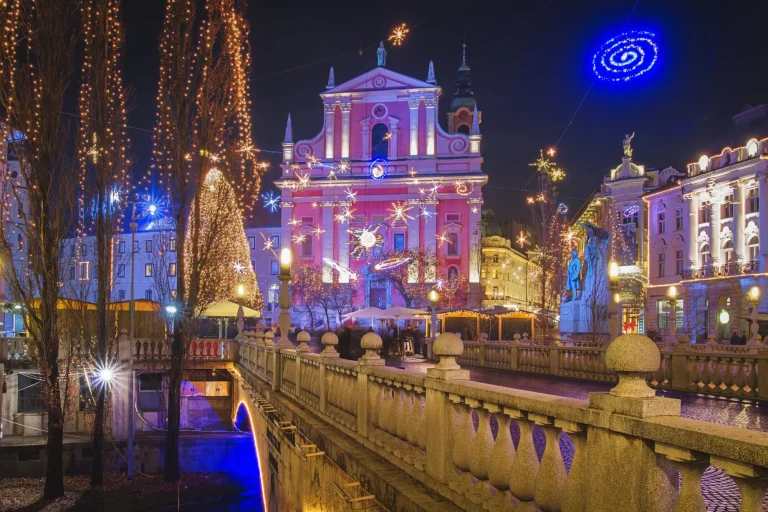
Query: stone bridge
<point>332,434</point>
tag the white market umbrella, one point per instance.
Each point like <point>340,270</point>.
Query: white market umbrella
<point>371,313</point>
<point>227,309</point>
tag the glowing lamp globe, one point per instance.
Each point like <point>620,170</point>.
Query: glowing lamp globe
<point>703,162</point>
<point>754,293</point>
<point>613,269</point>
<point>724,317</point>
<point>240,290</point>
<point>672,292</point>
<point>367,239</point>
<point>171,310</point>
<point>152,209</point>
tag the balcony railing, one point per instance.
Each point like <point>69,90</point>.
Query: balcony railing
<point>729,269</point>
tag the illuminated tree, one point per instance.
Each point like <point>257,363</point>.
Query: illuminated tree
<point>104,174</point>
<point>453,291</point>
<point>306,285</point>
<point>412,273</point>
<point>223,268</point>
<point>37,49</point>
<point>336,298</point>
<point>203,122</point>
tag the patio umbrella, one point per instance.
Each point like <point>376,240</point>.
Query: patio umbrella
<point>371,313</point>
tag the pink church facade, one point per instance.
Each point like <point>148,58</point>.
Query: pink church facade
<point>382,147</point>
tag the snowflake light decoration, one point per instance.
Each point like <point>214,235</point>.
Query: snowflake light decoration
<point>399,212</point>
<point>351,195</point>
<point>522,239</point>
<point>300,238</point>
<point>271,201</point>
<point>548,167</point>
<point>317,231</point>
<point>626,56</point>
<point>239,267</point>
<point>345,215</point>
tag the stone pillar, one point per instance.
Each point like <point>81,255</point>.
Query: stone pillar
<point>641,239</point>
<point>413,225</point>
<point>371,342</point>
<point>286,213</point>
<point>693,226</point>
<point>431,104</point>
<point>393,122</point>
<point>343,238</point>
<point>327,240</point>
<point>738,222</point>
<point>330,111</point>
<point>633,481</point>
<point>121,401</point>
<point>413,131</point>
<point>365,134</point>
<point>430,226</point>
<point>346,108</point>
<point>763,199</point>
<point>475,207</point>
<point>714,231</point>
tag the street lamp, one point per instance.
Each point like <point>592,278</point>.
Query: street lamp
<point>434,298</point>
<point>613,304</point>
<point>754,298</point>
<point>671,313</point>
<point>284,300</point>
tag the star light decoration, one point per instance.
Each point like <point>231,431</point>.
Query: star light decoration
<point>351,195</point>
<point>399,212</point>
<point>345,214</point>
<point>522,239</point>
<point>300,238</point>
<point>548,168</point>
<point>444,238</point>
<point>364,239</point>
<point>239,267</point>
<point>398,34</point>
<point>317,231</point>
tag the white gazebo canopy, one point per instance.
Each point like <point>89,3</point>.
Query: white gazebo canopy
<point>227,309</point>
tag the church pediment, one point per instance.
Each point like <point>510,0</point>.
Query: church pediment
<point>379,79</point>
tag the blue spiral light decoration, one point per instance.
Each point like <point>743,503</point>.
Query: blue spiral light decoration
<point>626,56</point>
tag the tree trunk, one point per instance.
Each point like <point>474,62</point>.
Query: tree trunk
<point>97,468</point>
<point>54,469</point>
<point>172,472</point>
<point>104,255</point>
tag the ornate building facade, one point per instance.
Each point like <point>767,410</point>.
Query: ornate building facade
<point>509,278</point>
<point>707,237</point>
<point>381,177</point>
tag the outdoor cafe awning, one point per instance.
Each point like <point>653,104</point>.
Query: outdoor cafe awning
<point>227,309</point>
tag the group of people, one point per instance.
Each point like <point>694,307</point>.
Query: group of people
<point>738,340</point>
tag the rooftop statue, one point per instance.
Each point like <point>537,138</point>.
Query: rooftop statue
<point>628,144</point>
<point>381,54</point>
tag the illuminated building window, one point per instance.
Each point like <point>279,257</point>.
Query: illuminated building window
<point>678,220</point>
<point>679,262</point>
<point>148,270</point>
<point>172,244</point>
<point>727,208</point>
<point>753,201</point>
<point>83,270</point>
<point>661,257</point>
<point>379,142</point>
<point>660,224</point>
<point>753,247</point>
<point>704,213</point>
<point>172,269</point>
<point>706,256</point>
<point>728,252</point>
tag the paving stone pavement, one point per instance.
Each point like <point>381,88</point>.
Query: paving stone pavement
<point>720,492</point>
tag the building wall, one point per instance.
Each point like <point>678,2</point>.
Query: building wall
<point>722,201</point>
<point>508,277</point>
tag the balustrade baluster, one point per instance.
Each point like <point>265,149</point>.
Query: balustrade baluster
<point>728,378</point>
<point>752,377</point>
<point>525,468</point>
<point>717,369</point>
<point>574,494</point>
<point>401,411</point>
<point>706,374</point>
<point>691,466</point>
<point>412,425</point>
<point>550,481</point>
<point>480,456</point>
<point>375,402</point>
<point>422,432</point>
<point>386,408</point>
<point>462,448</point>
<point>741,378</point>
<point>502,455</point>
<point>695,376</point>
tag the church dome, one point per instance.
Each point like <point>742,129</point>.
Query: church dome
<point>491,226</point>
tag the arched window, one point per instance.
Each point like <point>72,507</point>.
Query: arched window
<point>453,273</point>
<point>728,252</point>
<point>379,142</point>
<point>464,128</point>
<point>753,248</point>
<point>706,255</point>
<point>306,247</point>
<point>452,244</point>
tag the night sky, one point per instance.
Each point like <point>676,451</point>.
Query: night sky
<point>531,67</point>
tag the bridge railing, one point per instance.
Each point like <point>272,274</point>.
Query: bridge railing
<point>720,370</point>
<point>628,450</point>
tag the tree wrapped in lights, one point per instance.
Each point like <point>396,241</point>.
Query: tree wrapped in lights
<point>549,253</point>
<point>412,273</point>
<point>104,168</point>
<point>306,285</point>
<point>203,123</point>
<point>453,290</point>
<point>223,270</point>
<point>37,49</point>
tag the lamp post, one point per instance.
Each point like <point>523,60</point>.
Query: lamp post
<point>671,312</point>
<point>434,298</point>
<point>284,300</point>
<point>754,298</point>
<point>613,303</point>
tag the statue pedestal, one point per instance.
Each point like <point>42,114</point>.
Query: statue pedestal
<point>574,317</point>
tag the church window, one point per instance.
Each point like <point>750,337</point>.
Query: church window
<point>452,245</point>
<point>399,242</point>
<point>379,142</point>
<point>306,247</point>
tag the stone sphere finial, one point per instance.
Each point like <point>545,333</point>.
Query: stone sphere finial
<point>303,338</point>
<point>448,347</point>
<point>269,339</point>
<point>371,342</point>
<point>632,356</point>
<point>683,339</point>
<point>259,335</point>
<point>329,341</point>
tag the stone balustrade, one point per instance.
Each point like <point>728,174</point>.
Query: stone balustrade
<point>197,349</point>
<point>721,370</point>
<point>630,450</point>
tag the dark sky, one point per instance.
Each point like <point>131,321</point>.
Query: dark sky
<point>531,67</point>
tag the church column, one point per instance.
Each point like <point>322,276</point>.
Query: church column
<point>346,108</point>
<point>413,225</point>
<point>693,227</point>
<point>738,222</point>
<point>365,131</point>
<point>714,228</point>
<point>763,199</point>
<point>393,122</point>
<point>330,110</point>
<point>343,236</point>
<point>327,240</point>
<point>475,207</point>
<point>413,105</point>
<point>430,226</point>
<point>640,258</point>
<point>431,104</point>
<point>286,214</point>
